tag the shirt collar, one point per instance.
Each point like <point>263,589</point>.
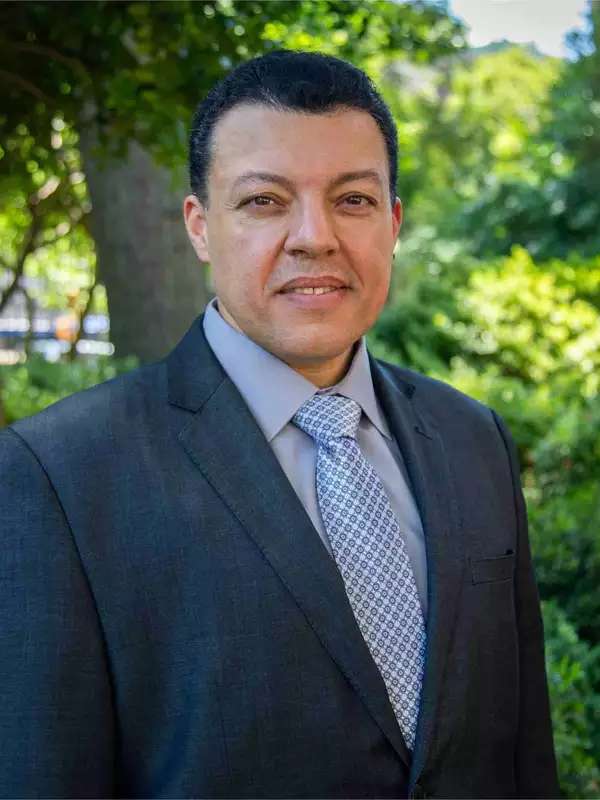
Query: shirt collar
<point>252,368</point>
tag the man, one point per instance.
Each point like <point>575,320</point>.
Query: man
<point>271,565</point>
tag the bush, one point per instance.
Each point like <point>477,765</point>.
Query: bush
<point>572,664</point>
<point>27,388</point>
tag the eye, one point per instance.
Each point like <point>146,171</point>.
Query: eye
<point>358,200</point>
<point>259,201</point>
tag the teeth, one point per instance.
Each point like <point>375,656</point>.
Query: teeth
<point>314,290</point>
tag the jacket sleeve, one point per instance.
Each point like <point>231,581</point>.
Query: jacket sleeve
<point>56,714</point>
<point>535,762</point>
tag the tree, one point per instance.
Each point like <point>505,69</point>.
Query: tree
<point>543,168</point>
<point>478,163</point>
<point>43,220</point>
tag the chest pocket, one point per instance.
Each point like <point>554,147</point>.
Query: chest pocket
<point>497,568</point>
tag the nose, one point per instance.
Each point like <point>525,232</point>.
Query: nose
<point>311,232</point>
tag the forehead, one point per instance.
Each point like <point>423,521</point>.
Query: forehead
<point>304,147</point>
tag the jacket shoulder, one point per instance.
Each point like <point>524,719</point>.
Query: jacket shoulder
<point>90,414</point>
<point>435,394</point>
<point>465,421</point>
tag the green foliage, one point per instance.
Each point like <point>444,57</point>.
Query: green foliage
<point>43,215</point>
<point>28,388</point>
<point>565,513</point>
<point>528,321</point>
<point>572,667</point>
<point>530,173</point>
<point>140,68</point>
<point>470,121</point>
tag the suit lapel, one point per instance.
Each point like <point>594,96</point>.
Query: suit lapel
<point>426,460</point>
<point>225,443</point>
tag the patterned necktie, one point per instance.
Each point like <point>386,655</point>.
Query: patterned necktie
<point>369,551</point>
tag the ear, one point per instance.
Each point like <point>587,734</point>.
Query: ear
<point>194,214</point>
<point>397,215</point>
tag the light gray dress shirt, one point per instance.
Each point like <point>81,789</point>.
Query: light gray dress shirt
<point>273,392</point>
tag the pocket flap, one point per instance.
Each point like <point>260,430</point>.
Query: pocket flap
<point>498,568</point>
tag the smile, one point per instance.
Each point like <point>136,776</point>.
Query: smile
<point>315,298</point>
<point>312,290</point>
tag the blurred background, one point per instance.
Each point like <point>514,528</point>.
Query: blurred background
<point>496,285</point>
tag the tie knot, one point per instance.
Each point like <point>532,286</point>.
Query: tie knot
<point>326,417</point>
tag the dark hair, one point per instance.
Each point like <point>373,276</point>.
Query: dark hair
<point>288,80</point>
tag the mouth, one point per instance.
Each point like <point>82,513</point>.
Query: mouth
<point>318,298</point>
<point>312,290</point>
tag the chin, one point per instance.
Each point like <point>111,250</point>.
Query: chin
<point>320,349</point>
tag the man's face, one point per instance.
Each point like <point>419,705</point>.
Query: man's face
<point>298,201</point>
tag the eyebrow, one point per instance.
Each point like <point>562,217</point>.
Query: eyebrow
<point>272,177</point>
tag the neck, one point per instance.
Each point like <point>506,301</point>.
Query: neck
<point>326,374</point>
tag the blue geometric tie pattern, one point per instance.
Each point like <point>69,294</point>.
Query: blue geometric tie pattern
<point>369,551</point>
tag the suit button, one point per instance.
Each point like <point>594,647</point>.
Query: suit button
<point>418,792</point>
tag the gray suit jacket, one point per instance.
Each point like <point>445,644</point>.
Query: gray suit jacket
<point>172,626</point>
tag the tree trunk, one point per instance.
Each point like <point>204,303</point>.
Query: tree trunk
<point>155,284</point>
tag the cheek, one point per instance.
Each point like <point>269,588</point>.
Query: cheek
<point>382,243</point>
<point>253,253</point>
<point>242,277</point>
<point>371,256</point>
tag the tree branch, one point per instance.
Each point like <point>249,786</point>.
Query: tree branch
<point>25,84</point>
<point>56,55</point>
<point>73,349</point>
<point>30,308</point>
<point>27,246</point>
